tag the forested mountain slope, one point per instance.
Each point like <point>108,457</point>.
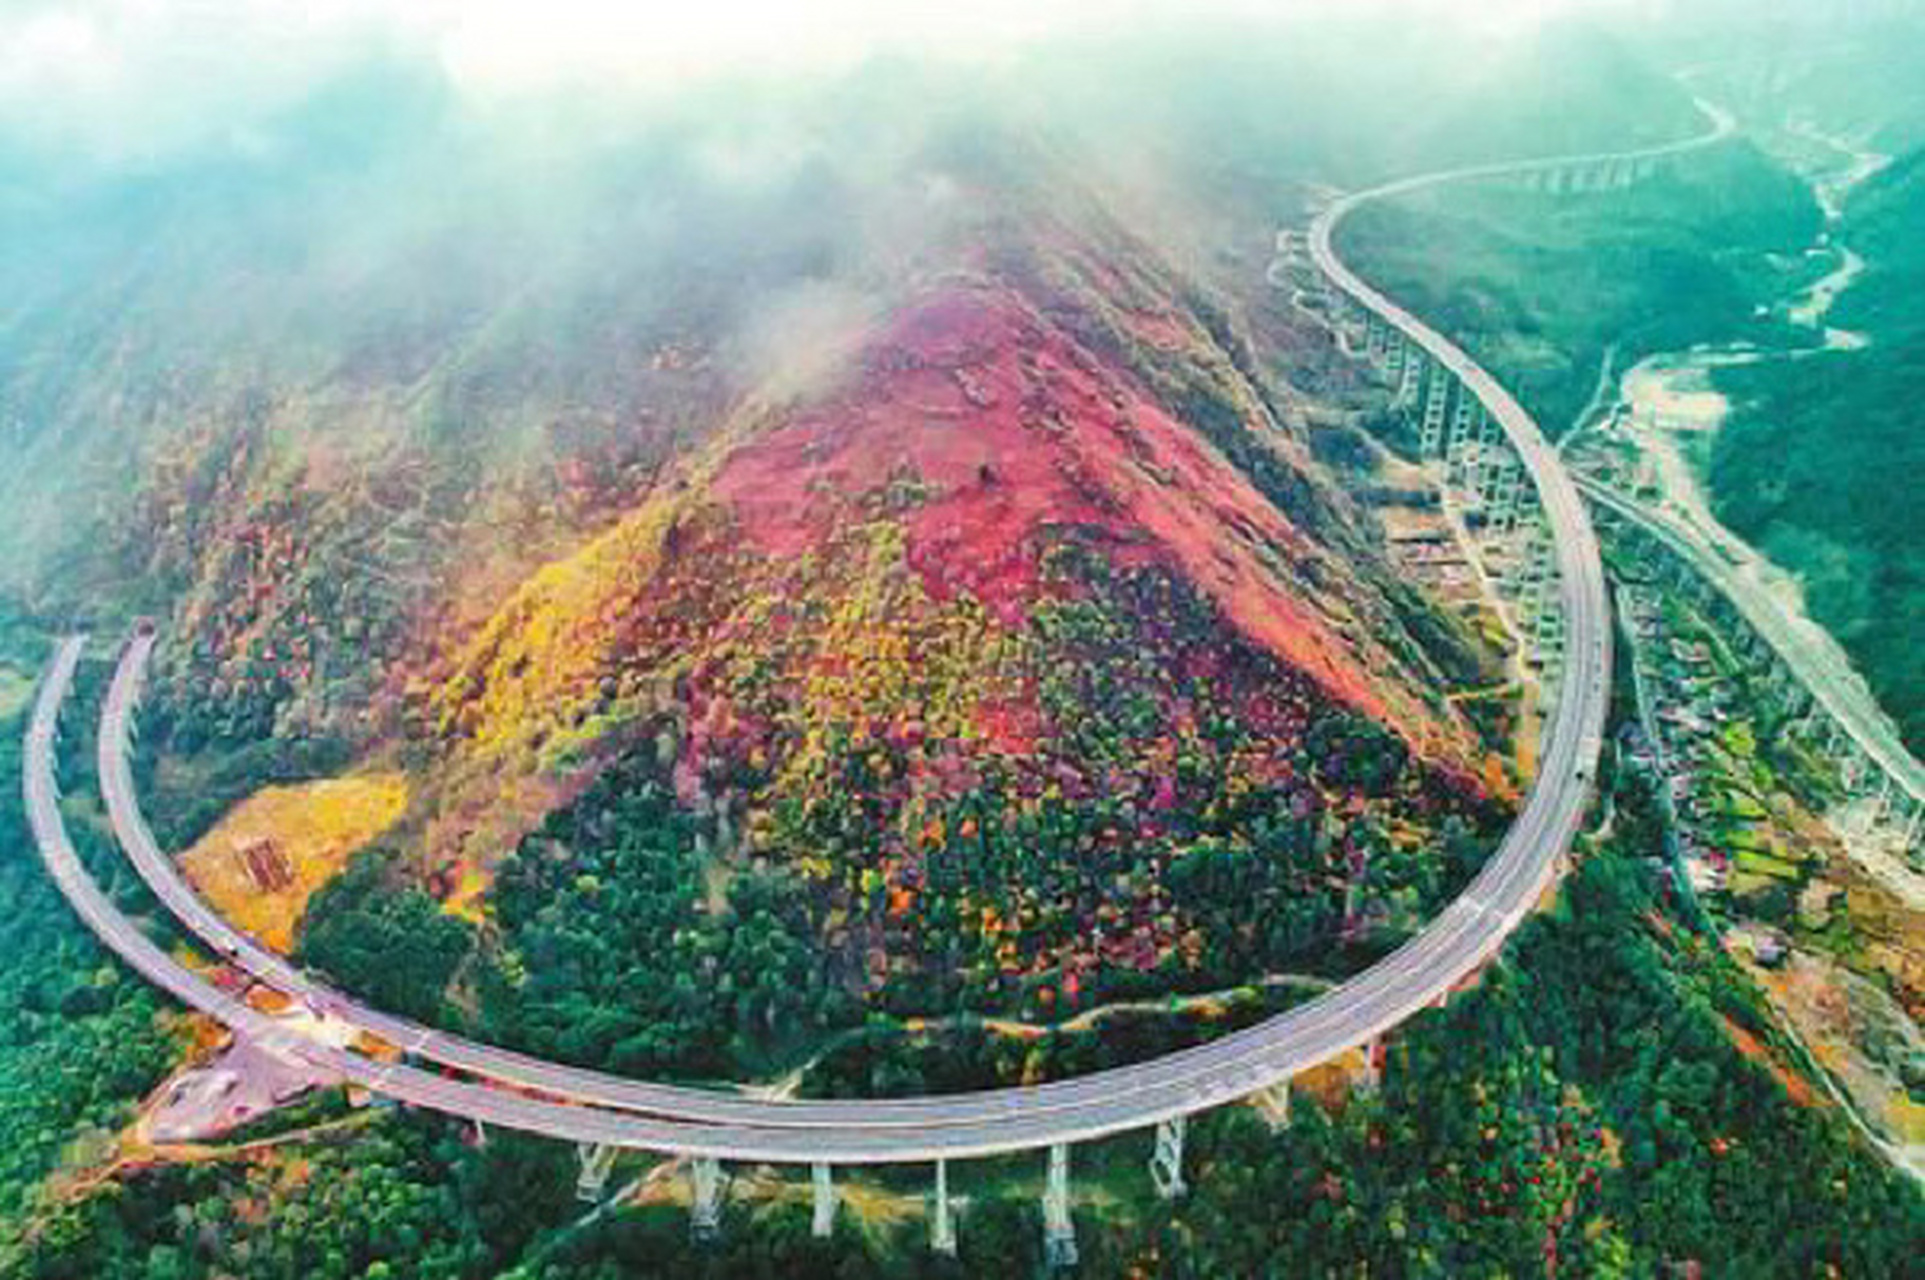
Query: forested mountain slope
<point>1812,464</point>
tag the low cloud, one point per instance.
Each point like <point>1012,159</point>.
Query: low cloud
<point>126,80</point>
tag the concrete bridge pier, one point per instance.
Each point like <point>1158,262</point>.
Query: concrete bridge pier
<point>1914,826</point>
<point>1372,1078</point>
<point>942,1223</point>
<point>705,1204</point>
<point>1493,458</point>
<point>1355,330</point>
<point>1829,737</point>
<point>1391,362</point>
<point>1396,367</point>
<point>1457,431</point>
<point>1526,577</point>
<point>1166,1165</point>
<point>1865,804</point>
<point>1436,406</point>
<point>1533,605</point>
<point>1882,802</point>
<point>1852,765</point>
<point>1500,509</point>
<point>595,1160</point>
<point>1460,466</point>
<point>1547,629</point>
<point>1059,1229</point>
<point>822,1224</point>
<point>1483,456</point>
<point>1792,698</point>
<point>1273,1102</point>
<point>1908,814</point>
<point>1805,727</point>
<point>1412,377</point>
<point>1509,497</point>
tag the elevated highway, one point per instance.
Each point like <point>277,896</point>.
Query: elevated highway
<point>1836,690</point>
<point>592,1108</point>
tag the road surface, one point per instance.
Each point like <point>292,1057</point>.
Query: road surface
<point>1840,691</point>
<point>584,1106</point>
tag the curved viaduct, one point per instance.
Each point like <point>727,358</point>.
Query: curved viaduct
<point>601,1112</point>
<point>1857,735</point>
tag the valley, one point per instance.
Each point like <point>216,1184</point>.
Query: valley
<point>967,662</point>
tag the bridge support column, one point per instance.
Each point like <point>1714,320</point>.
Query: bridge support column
<point>705,1205</point>
<point>1373,1074</point>
<point>942,1225</point>
<point>1533,569</point>
<point>1509,496</point>
<point>1353,327</point>
<point>1435,406</point>
<point>1166,1165</point>
<point>1483,459</point>
<point>1867,810</point>
<point>1415,362</point>
<point>1851,766</point>
<point>1457,443</point>
<point>595,1159</point>
<point>1547,621</point>
<point>1059,1229</point>
<point>823,1192</point>
<point>1397,367</point>
<point>1273,1102</point>
<point>1492,459</point>
<point>1360,318</point>
<point>1793,697</point>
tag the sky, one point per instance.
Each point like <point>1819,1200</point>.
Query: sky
<point>119,79</point>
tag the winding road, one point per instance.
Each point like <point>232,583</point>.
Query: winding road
<point>588,1107</point>
<point>1821,669</point>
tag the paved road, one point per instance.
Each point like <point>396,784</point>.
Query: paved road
<point>950,1132</point>
<point>608,1109</point>
<point>1838,689</point>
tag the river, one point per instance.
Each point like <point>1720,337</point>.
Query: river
<point>1669,407</point>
